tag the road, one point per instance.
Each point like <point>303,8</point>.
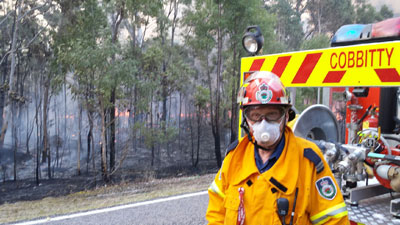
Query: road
<point>183,209</point>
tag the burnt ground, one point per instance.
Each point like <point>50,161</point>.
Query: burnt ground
<point>27,189</point>
<point>136,168</point>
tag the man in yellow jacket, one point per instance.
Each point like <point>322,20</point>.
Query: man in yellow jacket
<point>270,176</point>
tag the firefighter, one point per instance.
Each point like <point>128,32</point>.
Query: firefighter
<point>270,176</point>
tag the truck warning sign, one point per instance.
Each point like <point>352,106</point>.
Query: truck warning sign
<point>357,65</point>
<point>369,57</point>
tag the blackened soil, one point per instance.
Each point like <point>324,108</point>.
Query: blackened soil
<point>24,190</point>
<point>27,190</point>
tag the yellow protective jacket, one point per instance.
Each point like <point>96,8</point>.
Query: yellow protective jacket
<point>301,165</point>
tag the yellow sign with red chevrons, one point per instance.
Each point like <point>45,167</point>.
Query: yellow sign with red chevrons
<point>374,65</point>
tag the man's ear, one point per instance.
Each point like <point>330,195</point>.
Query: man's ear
<point>291,114</point>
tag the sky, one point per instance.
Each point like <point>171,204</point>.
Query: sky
<point>393,4</point>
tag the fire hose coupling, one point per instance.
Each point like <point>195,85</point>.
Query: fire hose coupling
<point>343,166</point>
<point>391,173</point>
<point>357,155</point>
<point>331,155</point>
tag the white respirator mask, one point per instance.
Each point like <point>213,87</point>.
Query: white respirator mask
<point>266,133</point>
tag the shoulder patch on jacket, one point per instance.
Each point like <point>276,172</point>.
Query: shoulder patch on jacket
<point>314,157</point>
<point>231,147</point>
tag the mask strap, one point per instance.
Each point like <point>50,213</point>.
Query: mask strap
<point>245,127</point>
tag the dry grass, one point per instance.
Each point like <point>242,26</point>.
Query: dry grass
<point>105,196</point>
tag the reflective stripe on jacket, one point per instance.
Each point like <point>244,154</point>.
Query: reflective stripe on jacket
<point>319,199</point>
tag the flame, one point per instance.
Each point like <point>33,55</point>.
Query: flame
<point>69,116</point>
<point>122,113</point>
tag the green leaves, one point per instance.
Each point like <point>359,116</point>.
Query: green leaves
<point>318,41</point>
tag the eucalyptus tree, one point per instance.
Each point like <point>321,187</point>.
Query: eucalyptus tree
<point>200,22</point>
<point>216,29</point>
<point>366,13</point>
<point>200,102</point>
<point>328,15</point>
<point>170,69</point>
<point>288,25</point>
<point>237,16</point>
<point>101,68</point>
<point>171,74</point>
<point>23,32</point>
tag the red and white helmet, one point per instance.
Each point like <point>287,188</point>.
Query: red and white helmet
<point>262,88</point>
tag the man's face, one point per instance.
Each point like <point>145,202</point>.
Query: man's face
<point>270,113</point>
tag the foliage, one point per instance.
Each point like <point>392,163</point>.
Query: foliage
<point>288,24</point>
<point>366,13</point>
<point>318,41</point>
<point>154,136</point>
<point>329,15</point>
<point>201,96</point>
<point>149,53</point>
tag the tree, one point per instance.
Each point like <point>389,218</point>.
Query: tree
<point>288,26</point>
<point>200,102</point>
<point>366,13</point>
<point>385,12</point>
<point>92,56</point>
<point>216,29</point>
<point>206,33</point>
<point>329,15</point>
<point>21,34</point>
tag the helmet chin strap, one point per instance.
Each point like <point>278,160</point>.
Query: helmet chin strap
<point>245,127</point>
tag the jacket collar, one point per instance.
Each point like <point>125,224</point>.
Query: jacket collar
<point>283,175</point>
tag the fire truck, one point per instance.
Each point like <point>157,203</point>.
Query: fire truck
<point>362,67</point>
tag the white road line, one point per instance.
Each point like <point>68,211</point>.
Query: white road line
<point>49,219</point>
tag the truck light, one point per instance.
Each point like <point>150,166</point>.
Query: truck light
<point>386,30</point>
<point>351,33</point>
<point>253,40</point>
<point>348,33</point>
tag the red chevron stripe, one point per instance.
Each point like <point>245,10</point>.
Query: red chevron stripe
<point>388,75</point>
<point>334,76</point>
<point>257,64</point>
<point>306,68</point>
<point>280,65</point>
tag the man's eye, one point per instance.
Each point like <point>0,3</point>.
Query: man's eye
<point>272,114</point>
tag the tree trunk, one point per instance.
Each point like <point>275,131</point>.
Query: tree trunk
<point>28,133</point>
<point>3,91</point>
<point>164,95</point>
<point>66,140</point>
<point>104,170</point>
<point>151,128</point>
<point>217,138</point>
<point>57,133</point>
<point>135,116</point>
<point>179,122</point>
<point>114,35</point>
<point>38,131</point>
<point>234,106</point>
<point>191,138</point>
<point>14,136</point>
<point>199,116</point>
<point>46,148</point>
<point>89,139</point>
<point>174,21</point>
<point>12,82</point>
<point>78,160</point>
<point>112,131</point>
